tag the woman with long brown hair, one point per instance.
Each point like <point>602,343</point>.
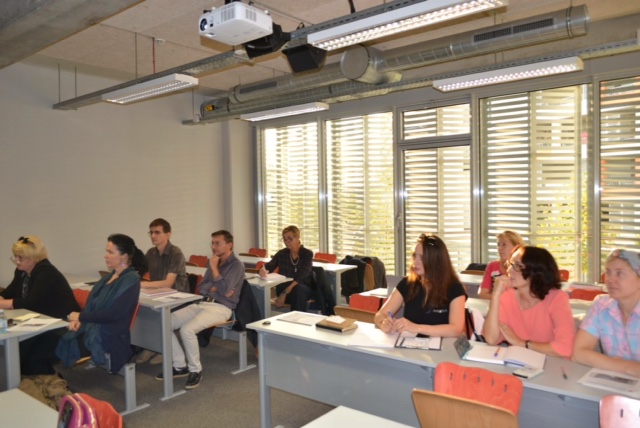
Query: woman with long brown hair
<point>432,295</point>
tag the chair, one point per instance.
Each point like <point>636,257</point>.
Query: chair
<point>248,255</point>
<point>503,390</point>
<point>191,264</point>
<point>200,261</point>
<point>473,272</point>
<point>582,294</point>
<point>325,257</point>
<point>106,415</point>
<point>564,275</point>
<point>365,303</point>
<point>358,314</point>
<point>260,252</point>
<point>128,371</point>
<point>617,411</point>
<point>436,410</point>
<point>103,273</point>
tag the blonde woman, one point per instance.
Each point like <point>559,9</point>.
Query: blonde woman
<point>508,242</point>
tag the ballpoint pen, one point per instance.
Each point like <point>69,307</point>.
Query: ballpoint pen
<point>497,352</point>
<point>564,373</point>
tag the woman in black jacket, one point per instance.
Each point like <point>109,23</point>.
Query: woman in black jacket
<point>39,287</point>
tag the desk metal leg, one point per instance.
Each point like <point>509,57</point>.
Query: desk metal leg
<point>265,391</point>
<point>167,360</point>
<point>335,278</point>
<point>12,362</point>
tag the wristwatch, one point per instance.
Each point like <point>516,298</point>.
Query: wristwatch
<point>527,343</point>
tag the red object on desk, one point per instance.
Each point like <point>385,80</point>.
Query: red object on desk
<point>579,293</point>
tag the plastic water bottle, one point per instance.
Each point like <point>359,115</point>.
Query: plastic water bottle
<point>3,322</point>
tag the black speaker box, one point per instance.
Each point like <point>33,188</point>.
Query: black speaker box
<point>305,57</point>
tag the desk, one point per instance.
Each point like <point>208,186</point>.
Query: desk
<point>10,341</point>
<point>319,365</point>
<point>20,410</point>
<point>261,288</point>
<point>152,330</point>
<point>471,283</point>
<point>332,271</point>
<point>344,417</point>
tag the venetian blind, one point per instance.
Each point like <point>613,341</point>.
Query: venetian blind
<point>360,187</point>
<point>291,183</point>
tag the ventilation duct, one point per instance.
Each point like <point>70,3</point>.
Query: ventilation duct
<point>279,92</point>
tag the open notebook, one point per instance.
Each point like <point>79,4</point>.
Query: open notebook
<point>512,355</point>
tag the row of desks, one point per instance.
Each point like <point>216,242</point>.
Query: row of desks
<point>319,364</point>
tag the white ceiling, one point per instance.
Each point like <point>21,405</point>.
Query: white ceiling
<point>124,43</point>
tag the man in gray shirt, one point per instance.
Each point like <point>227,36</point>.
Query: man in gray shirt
<point>220,287</point>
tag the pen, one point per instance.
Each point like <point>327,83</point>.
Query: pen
<point>497,352</point>
<point>390,315</point>
<point>564,373</point>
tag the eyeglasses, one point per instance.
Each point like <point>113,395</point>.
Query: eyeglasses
<point>17,259</point>
<point>517,266</point>
<point>289,239</point>
<point>155,232</point>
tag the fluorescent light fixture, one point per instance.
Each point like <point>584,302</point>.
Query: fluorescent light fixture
<point>521,72</point>
<point>285,111</point>
<point>150,89</point>
<point>398,20</point>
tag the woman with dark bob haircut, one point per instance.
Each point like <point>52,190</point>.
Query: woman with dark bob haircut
<point>103,325</point>
<point>528,308</point>
<point>432,295</point>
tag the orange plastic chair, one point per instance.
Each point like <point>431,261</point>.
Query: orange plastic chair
<point>617,411</point>
<point>580,293</point>
<point>199,260</point>
<point>81,297</point>
<point>502,390</point>
<point>326,257</point>
<point>365,303</point>
<point>105,413</point>
<point>260,252</point>
<point>564,275</point>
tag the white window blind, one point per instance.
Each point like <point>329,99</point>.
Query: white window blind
<point>620,165</point>
<point>291,183</point>
<point>360,187</point>
<point>437,181</point>
<point>532,172</point>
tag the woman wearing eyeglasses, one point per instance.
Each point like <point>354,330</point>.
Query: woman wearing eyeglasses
<point>508,241</point>
<point>103,325</point>
<point>294,261</point>
<point>614,319</point>
<point>528,308</point>
<point>432,295</point>
<point>39,287</point>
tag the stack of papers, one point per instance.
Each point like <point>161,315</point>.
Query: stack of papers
<point>337,323</point>
<point>32,323</point>
<point>376,338</point>
<point>157,292</point>
<point>612,381</point>
<point>302,318</point>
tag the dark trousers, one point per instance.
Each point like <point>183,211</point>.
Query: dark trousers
<point>38,353</point>
<point>298,296</point>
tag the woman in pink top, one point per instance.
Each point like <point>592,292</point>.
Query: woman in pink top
<point>508,241</point>
<point>528,308</point>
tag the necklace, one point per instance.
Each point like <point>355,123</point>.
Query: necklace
<point>295,264</point>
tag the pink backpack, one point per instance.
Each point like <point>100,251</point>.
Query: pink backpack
<point>75,412</point>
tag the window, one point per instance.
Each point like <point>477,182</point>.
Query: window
<point>534,173</point>
<point>620,165</point>
<point>360,187</point>
<point>291,183</point>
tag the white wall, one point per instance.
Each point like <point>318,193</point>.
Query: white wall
<point>74,177</point>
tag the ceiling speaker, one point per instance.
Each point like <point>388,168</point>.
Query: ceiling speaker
<point>305,57</point>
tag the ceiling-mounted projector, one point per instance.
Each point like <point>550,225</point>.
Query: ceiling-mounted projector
<point>235,23</point>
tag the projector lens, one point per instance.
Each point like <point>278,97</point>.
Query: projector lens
<point>203,24</point>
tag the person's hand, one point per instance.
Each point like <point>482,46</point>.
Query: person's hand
<point>230,292</point>
<point>280,300</point>
<point>501,284</point>
<point>74,325</point>
<point>510,336</point>
<point>402,324</point>
<point>386,325</point>
<point>263,273</point>
<point>213,261</point>
<point>73,316</point>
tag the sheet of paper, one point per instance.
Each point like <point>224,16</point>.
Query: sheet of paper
<point>302,318</point>
<point>26,317</point>
<point>173,297</point>
<point>34,324</point>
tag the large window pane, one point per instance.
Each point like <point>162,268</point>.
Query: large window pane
<point>534,171</point>
<point>291,183</point>
<point>620,164</point>
<point>360,187</point>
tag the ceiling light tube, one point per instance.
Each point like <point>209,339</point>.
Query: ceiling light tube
<point>150,89</point>
<point>398,20</point>
<point>521,72</point>
<point>285,111</point>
